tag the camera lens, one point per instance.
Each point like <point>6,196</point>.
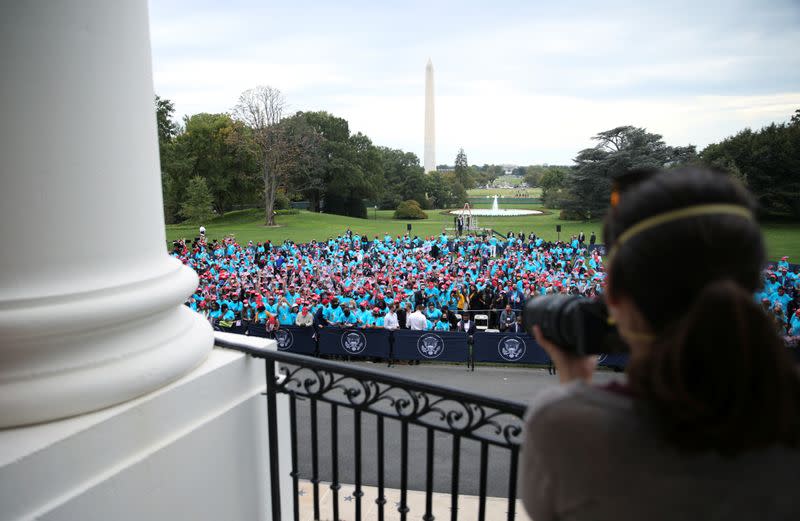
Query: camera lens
<point>554,315</point>
<point>576,324</point>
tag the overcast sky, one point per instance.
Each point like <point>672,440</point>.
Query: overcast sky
<point>518,82</point>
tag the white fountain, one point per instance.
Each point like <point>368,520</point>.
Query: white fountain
<point>495,211</point>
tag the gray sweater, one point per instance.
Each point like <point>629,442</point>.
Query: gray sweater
<point>588,456</point>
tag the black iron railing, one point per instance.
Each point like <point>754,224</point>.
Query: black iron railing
<point>457,414</point>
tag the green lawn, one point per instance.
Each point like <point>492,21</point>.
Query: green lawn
<point>510,180</point>
<point>246,225</point>
<point>503,192</point>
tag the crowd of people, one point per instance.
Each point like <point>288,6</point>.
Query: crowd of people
<point>434,283</point>
<point>780,297</point>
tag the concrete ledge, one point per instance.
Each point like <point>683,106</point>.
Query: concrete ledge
<point>195,449</point>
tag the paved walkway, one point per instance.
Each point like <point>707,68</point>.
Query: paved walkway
<point>496,508</point>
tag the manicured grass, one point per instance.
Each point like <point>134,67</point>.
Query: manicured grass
<point>782,239</point>
<point>510,180</point>
<point>503,192</point>
<point>248,225</point>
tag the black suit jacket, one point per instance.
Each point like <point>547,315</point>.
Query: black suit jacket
<point>470,330</point>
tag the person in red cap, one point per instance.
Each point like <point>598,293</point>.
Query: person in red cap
<point>304,318</point>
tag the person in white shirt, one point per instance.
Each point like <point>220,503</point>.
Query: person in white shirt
<point>416,320</point>
<point>390,320</point>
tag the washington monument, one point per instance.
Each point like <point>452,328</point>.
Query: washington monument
<point>430,121</point>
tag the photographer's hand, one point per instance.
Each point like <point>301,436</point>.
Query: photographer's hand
<point>570,367</point>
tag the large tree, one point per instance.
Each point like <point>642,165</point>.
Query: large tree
<point>167,130</point>
<point>403,178</point>
<point>444,190</point>
<point>553,180</point>
<point>351,165</point>
<point>587,187</point>
<point>209,148</point>
<point>261,109</point>
<point>462,170</point>
<point>197,207</point>
<point>768,161</point>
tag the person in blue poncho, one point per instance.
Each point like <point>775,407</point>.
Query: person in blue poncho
<point>442,324</point>
<point>376,319</point>
<point>780,297</point>
<point>285,313</point>
<point>794,324</point>
<point>432,313</point>
<point>349,318</point>
<point>216,311</point>
<point>226,314</point>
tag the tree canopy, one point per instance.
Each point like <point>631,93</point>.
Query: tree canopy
<point>196,208</point>
<point>587,186</point>
<point>767,161</point>
<point>259,153</point>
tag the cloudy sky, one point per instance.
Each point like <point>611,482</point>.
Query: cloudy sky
<point>518,82</point>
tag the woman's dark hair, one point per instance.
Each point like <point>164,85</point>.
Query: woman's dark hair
<point>717,377</point>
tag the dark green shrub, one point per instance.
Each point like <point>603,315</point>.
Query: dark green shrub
<point>409,210</point>
<point>571,215</point>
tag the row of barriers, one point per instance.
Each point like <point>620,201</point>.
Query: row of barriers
<point>408,345</point>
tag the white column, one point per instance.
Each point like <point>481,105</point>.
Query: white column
<point>90,302</point>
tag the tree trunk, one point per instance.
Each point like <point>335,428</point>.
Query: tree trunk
<point>273,188</point>
<point>269,197</point>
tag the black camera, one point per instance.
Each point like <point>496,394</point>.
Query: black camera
<point>579,325</point>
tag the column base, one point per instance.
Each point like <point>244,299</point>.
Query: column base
<point>63,357</point>
<point>195,449</point>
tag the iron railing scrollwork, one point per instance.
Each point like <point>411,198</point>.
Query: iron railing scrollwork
<point>459,414</point>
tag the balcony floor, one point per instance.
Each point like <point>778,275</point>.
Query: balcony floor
<point>496,508</point>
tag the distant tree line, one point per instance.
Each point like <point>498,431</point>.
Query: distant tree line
<point>767,161</point>
<point>257,155</point>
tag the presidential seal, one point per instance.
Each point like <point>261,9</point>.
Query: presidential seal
<point>285,339</point>
<point>430,345</point>
<point>353,342</point>
<point>511,348</point>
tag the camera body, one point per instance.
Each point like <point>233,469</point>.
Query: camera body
<point>580,326</point>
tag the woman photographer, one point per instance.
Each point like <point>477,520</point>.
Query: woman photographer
<point>707,424</point>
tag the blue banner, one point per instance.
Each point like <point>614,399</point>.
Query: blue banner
<point>289,338</point>
<point>296,339</point>
<point>430,345</point>
<point>508,348</point>
<point>257,330</point>
<point>619,360</point>
<point>354,342</point>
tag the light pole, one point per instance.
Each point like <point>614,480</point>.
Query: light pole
<point>375,212</point>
